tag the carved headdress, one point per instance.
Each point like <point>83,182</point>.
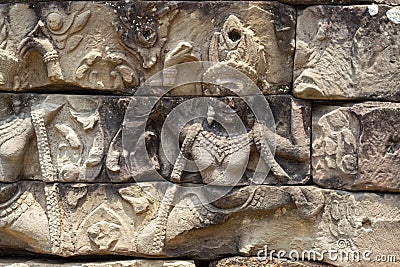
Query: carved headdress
<point>236,46</point>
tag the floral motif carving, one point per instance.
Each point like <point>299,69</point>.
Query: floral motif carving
<point>103,227</point>
<point>103,67</point>
<point>65,28</point>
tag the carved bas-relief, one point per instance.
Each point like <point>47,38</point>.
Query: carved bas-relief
<point>38,41</point>
<point>116,46</point>
<point>23,222</point>
<point>226,161</point>
<point>80,143</point>
<point>238,46</point>
<point>65,138</point>
<point>217,140</point>
<point>115,219</point>
<point>19,53</point>
<point>290,141</point>
<point>337,57</point>
<point>145,36</point>
<point>43,48</point>
<point>356,146</point>
<point>228,144</point>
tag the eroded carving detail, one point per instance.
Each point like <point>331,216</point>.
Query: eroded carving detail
<point>237,47</point>
<point>336,148</point>
<point>118,66</point>
<point>9,61</point>
<point>337,58</point>
<point>103,227</point>
<point>145,35</point>
<point>182,53</point>
<point>16,132</point>
<point>79,159</point>
<point>221,154</point>
<point>14,201</point>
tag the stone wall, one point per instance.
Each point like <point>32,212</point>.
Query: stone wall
<point>185,134</point>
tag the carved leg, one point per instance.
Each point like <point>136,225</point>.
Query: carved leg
<point>269,158</point>
<point>162,220</point>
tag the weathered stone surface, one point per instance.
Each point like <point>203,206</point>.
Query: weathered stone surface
<point>67,138</point>
<point>347,52</point>
<point>356,146</point>
<point>138,220</point>
<point>253,261</point>
<point>115,46</point>
<point>126,263</point>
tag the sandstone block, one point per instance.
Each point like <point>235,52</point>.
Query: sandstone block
<point>115,46</point>
<point>355,147</point>
<point>82,138</point>
<point>347,52</point>
<point>164,220</point>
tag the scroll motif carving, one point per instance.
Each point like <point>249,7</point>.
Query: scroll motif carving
<point>65,28</point>
<point>121,71</point>
<point>103,228</point>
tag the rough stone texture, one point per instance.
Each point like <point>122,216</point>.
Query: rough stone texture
<point>137,220</point>
<point>126,263</point>
<point>96,46</point>
<point>356,146</point>
<point>249,261</point>
<point>347,52</point>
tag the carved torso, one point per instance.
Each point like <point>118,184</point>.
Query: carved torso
<point>221,159</point>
